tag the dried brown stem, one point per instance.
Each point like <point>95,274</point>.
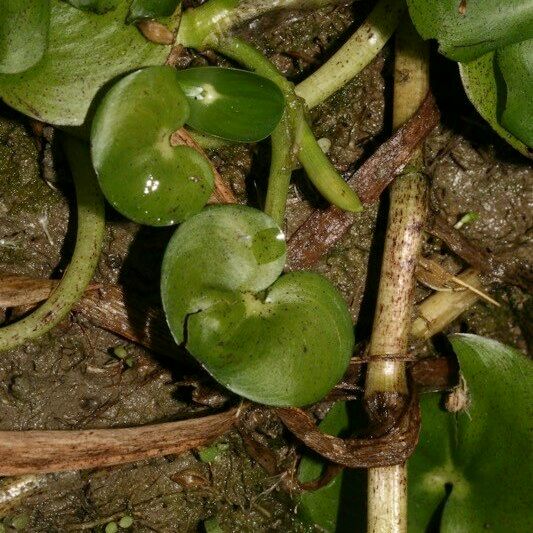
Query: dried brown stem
<point>324,228</point>
<point>30,452</point>
<point>391,448</point>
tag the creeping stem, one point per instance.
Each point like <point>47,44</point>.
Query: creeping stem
<point>386,386</point>
<point>319,169</point>
<point>354,55</point>
<point>80,271</point>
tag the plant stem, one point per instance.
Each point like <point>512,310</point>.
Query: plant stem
<point>354,55</point>
<point>323,174</point>
<point>216,17</point>
<point>80,271</point>
<point>281,164</point>
<point>319,169</point>
<point>386,386</point>
<point>442,308</point>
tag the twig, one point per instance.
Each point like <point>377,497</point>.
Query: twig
<point>30,452</point>
<point>323,228</point>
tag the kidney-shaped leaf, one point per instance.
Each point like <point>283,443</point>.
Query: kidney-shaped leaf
<point>232,104</point>
<point>516,66</point>
<point>480,80</point>
<point>140,173</point>
<point>470,28</point>
<point>85,51</point>
<point>23,33</point>
<point>286,345</point>
<point>476,466</point>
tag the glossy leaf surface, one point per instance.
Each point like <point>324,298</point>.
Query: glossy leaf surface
<point>140,173</point>
<point>484,454</point>
<point>96,6</point>
<point>85,51</point>
<point>515,63</point>
<point>287,345</point>
<point>481,86</point>
<point>23,33</point>
<point>466,30</point>
<point>232,104</point>
<point>151,9</point>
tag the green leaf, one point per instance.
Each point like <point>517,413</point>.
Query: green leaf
<point>467,30</point>
<point>286,346</point>
<point>327,506</point>
<point>232,104</point>
<point>140,173</point>
<point>151,9</point>
<point>481,86</point>
<point>516,66</point>
<point>85,51</point>
<point>476,466</point>
<point>23,34</point>
<point>96,6</point>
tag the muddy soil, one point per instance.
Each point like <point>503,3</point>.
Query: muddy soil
<point>71,378</point>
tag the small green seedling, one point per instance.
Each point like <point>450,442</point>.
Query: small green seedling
<point>283,341</point>
<point>467,218</point>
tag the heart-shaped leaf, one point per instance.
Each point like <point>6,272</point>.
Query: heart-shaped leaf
<point>151,9</point>
<point>140,173</point>
<point>471,28</point>
<point>23,33</point>
<point>96,6</point>
<point>232,104</point>
<point>286,346</point>
<point>516,66</point>
<point>476,466</point>
<point>85,51</point>
<point>480,82</point>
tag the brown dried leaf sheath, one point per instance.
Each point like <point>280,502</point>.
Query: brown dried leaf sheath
<point>30,452</point>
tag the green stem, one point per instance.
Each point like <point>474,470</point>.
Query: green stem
<point>281,163</point>
<point>80,271</point>
<point>354,55</point>
<point>324,175</point>
<point>215,18</point>
<point>317,165</point>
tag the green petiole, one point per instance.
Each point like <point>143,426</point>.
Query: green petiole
<point>319,169</point>
<point>80,271</point>
<point>354,55</point>
<point>215,18</point>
